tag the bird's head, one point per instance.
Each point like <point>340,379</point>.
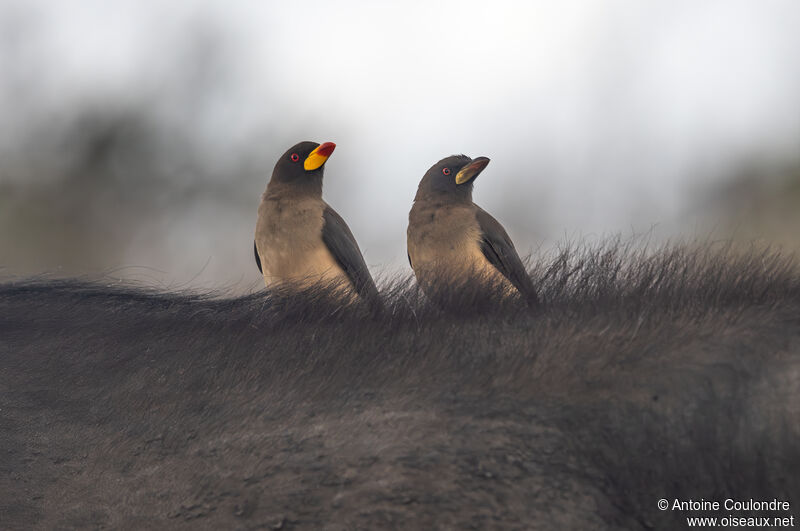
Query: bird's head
<point>452,177</point>
<point>302,165</point>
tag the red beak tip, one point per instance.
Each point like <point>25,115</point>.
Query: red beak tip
<point>326,149</point>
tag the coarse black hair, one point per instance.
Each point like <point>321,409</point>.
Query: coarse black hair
<point>643,374</point>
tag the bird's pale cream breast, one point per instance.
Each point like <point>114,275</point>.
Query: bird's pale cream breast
<point>289,242</point>
<point>444,243</point>
<point>444,235</point>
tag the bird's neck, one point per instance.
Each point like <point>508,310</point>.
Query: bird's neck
<point>300,189</point>
<point>447,197</point>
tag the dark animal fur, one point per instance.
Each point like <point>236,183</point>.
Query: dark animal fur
<point>641,376</point>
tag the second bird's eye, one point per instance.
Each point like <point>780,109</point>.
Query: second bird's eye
<point>446,171</point>
<point>295,157</point>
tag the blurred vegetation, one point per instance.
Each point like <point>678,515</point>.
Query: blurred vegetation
<point>759,202</point>
<point>81,192</point>
<point>112,186</point>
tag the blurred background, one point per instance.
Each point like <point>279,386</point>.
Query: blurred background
<point>137,136</point>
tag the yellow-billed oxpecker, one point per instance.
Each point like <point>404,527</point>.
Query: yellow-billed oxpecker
<point>299,238</point>
<point>451,239</point>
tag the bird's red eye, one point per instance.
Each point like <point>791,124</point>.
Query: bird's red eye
<point>295,157</point>
<point>446,171</point>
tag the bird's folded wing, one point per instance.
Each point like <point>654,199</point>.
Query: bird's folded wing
<point>500,252</point>
<point>258,258</point>
<point>340,242</point>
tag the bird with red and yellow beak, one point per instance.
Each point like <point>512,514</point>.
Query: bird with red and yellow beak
<point>300,239</point>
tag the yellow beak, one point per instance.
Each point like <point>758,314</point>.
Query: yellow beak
<point>471,170</point>
<point>318,157</point>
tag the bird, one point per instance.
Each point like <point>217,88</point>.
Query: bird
<point>299,238</point>
<point>450,237</point>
